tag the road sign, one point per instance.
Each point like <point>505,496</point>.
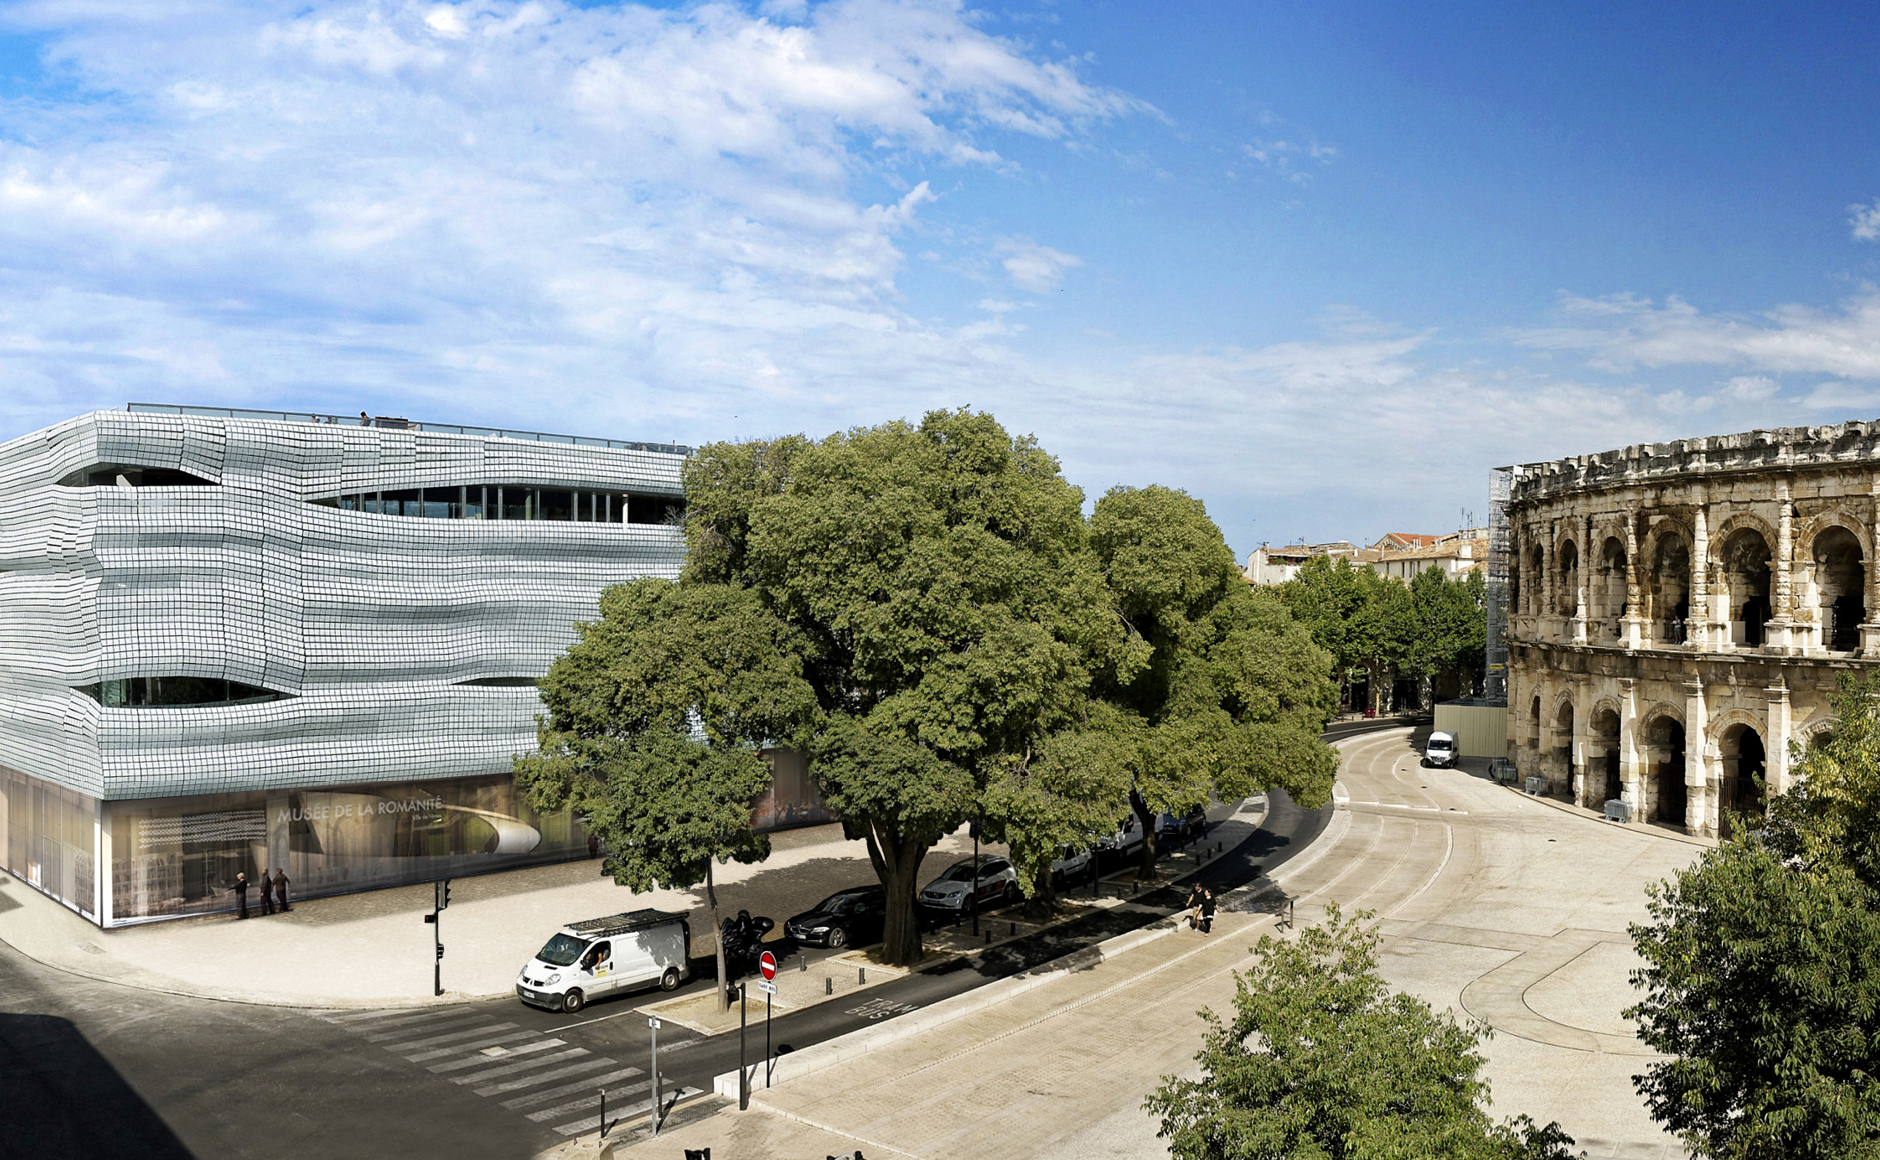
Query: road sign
<point>767,963</point>
<point>766,986</point>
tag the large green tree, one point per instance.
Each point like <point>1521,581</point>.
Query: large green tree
<point>653,725</point>
<point>1232,694</point>
<point>950,613</point>
<point>1322,1061</point>
<point>1762,975</point>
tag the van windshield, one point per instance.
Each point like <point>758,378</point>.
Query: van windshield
<point>1439,743</point>
<point>562,950</point>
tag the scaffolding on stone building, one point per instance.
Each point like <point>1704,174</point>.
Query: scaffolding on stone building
<point>1495,662</point>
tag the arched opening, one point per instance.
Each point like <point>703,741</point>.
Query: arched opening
<point>1569,568</point>
<point>1671,589</point>
<point>1740,750</point>
<point>1665,738</point>
<point>1602,769</point>
<point>1536,568</point>
<point>1840,585</point>
<point>1611,601</point>
<point>1534,724</point>
<point>1563,746</point>
<point>1745,560</point>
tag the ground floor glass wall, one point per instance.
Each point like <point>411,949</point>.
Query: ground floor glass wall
<point>178,856</point>
<point>49,838</point>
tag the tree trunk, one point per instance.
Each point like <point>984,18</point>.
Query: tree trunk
<point>718,935</point>
<point>1043,898</point>
<point>1145,869</point>
<point>897,864</point>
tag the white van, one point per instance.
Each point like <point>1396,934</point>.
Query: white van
<point>602,956</point>
<point>1440,750</point>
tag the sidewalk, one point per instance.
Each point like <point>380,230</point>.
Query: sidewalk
<point>374,949</point>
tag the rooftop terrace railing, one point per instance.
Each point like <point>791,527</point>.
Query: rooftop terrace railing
<point>399,424</point>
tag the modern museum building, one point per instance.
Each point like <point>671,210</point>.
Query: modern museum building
<point>237,639</point>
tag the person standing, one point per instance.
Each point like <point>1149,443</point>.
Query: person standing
<point>364,419</point>
<point>267,900</point>
<point>241,895</point>
<point>280,887</point>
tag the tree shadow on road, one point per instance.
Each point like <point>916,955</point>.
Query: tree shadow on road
<point>62,1098</point>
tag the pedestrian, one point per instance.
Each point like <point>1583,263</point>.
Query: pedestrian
<point>1207,911</point>
<point>364,420</point>
<point>1194,907</point>
<point>241,895</point>
<point>267,899</point>
<point>280,887</point>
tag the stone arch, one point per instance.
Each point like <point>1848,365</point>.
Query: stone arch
<point>1662,750</point>
<point>1742,756</point>
<point>1608,591</point>
<point>1732,717</point>
<point>1836,583</point>
<point>1746,563</point>
<point>1736,523</point>
<point>1813,731</point>
<point>1537,575</point>
<point>1665,572</point>
<point>1567,576</point>
<point>1601,775</point>
<point>1806,530</point>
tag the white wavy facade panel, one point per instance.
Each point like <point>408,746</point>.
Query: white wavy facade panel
<point>369,622</point>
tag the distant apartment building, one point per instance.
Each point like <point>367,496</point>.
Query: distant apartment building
<point>1400,555</point>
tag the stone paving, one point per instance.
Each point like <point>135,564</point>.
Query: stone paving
<point>1492,904</point>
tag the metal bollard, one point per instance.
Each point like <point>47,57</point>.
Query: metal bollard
<point>988,936</point>
<point>1013,930</point>
<point>861,975</point>
<point>802,964</point>
<point>829,985</point>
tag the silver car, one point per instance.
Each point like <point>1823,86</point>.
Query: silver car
<point>953,890</point>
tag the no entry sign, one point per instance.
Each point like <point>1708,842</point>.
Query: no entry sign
<point>767,963</point>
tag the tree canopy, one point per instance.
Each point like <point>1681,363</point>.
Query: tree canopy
<point>1762,973</point>
<point>1322,1061</point>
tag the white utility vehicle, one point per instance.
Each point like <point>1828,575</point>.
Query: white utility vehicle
<point>1440,750</point>
<point>602,956</point>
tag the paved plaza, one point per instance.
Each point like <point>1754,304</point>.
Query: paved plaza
<point>1493,904</point>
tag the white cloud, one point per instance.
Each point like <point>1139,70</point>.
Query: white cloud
<point>1033,267</point>
<point>1622,332</point>
<point>1865,221</point>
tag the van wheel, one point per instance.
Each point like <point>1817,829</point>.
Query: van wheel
<point>573,1001</point>
<point>670,980</point>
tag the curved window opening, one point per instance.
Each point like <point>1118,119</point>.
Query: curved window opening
<point>483,501</point>
<point>109,475</point>
<point>501,683</point>
<point>1841,581</point>
<point>176,693</point>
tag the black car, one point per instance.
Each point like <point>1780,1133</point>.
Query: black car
<point>846,918</point>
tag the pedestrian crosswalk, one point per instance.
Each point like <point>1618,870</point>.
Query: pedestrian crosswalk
<point>535,1074</point>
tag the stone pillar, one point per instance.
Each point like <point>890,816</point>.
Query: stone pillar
<point>1698,815</point>
<point>1776,744</point>
<point>1697,631</point>
<point>1580,610</point>
<point>1549,583</point>
<point>1631,777</point>
<point>1632,627</point>
<point>1870,629</point>
<point>1779,634</point>
<point>1576,747</point>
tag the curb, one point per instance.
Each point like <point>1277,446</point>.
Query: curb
<point>1580,812</point>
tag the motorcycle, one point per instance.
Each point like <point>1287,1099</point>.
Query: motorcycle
<point>743,940</point>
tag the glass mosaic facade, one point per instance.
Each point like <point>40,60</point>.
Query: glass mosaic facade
<point>211,661</point>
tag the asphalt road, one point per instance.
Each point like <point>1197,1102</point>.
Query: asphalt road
<point>100,1070</point>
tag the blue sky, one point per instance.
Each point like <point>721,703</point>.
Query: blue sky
<point>1322,265</point>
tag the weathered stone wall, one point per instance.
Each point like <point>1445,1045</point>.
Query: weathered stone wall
<point>1681,612</point>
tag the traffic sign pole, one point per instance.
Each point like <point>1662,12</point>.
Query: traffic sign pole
<point>767,966</point>
<point>654,1024</point>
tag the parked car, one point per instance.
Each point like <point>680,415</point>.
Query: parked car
<point>1184,827</point>
<point>1070,863</point>
<point>846,918</point>
<point>1125,841</point>
<point>1439,750</point>
<point>586,960</point>
<point>953,890</point>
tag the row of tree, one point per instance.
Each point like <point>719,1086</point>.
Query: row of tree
<point>927,612</point>
<point>1379,628</point>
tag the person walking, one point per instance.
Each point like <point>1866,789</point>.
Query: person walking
<point>280,887</point>
<point>267,899</point>
<point>241,895</point>
<point>1207,911</point>
<point>1194,907</point>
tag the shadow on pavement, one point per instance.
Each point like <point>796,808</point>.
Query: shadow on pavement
<point>62,1098</point>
